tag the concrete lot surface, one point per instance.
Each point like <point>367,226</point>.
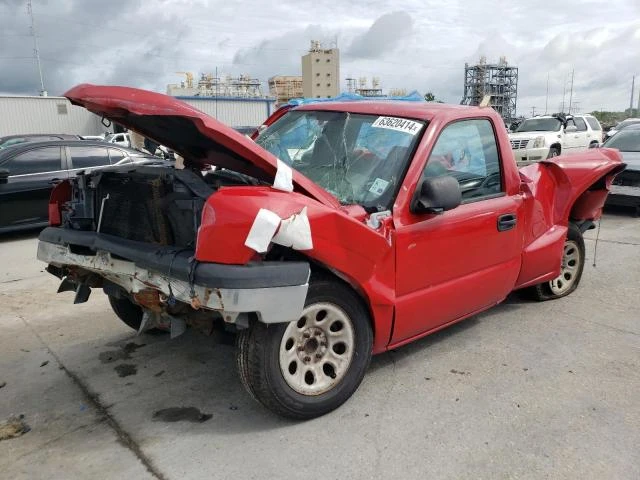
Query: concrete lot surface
<point>526,390</point>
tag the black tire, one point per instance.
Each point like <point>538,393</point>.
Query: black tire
<point>127,311</point>
<point>259,354</point>
<point>549,291</point>
<point>553,152</point>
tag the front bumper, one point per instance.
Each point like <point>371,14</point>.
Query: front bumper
<point>274,291</point>
<point>527,156</point>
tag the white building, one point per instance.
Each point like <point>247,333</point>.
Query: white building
<point>321,72</point>
<point>20,115</point>
<point>235,112</point>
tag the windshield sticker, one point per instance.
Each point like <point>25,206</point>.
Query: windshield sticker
<point>379,186</point>
<point>398,124</point>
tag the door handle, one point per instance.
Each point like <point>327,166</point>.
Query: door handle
<point>54,181</point>
<point>507,222</point>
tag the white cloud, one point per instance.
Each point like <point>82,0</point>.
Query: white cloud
<point>144,43</point>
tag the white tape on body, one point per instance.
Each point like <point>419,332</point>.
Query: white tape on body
<point>398,124</point>
<point>293,232</point>
<point>284,177</point>
<point>262,231</point>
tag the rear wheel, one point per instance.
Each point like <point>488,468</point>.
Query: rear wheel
<point>553,152</point>
<point>127,311</point>
<point>573,259</point>
<point>306,368</point>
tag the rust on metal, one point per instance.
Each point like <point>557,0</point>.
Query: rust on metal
<point>207,295</point>
<point>219,298</point>
<point>149,299</point>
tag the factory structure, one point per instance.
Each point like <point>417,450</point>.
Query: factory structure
<point>500,81</point>
<point>285,87</point>
<point>235,101</point>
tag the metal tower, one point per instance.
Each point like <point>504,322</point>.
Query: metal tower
<point>500,81</point>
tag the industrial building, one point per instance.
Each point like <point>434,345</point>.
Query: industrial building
<point>500,81</point>
<point>235,101</point>
<point>21,114</point>
<point>361,87</point>
<point>210,85</point>
<point>321,72</point>
<point>285,87</point>
<point>235,112</point>
<point>24,114</point>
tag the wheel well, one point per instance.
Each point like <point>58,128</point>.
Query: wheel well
<point>558,146</point>
<point>321,271</point>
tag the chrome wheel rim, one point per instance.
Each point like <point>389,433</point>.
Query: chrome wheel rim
<point>569,269</point>
<point>316,350</point>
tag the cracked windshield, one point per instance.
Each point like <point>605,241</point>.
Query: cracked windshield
<point>360,159</point>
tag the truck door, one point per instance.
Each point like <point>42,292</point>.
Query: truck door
<point>453,264</point>
<point>572,138</point>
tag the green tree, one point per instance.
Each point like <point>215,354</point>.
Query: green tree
<point>429,97</point>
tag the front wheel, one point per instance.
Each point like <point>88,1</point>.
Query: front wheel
<point>553,152</point>
<point>573,259</point>
<point>309,367</point>
<point>127,311</point>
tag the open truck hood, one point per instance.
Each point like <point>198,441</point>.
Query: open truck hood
<point>199,138</point>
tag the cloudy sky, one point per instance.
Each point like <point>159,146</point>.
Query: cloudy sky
<point>413,44</point>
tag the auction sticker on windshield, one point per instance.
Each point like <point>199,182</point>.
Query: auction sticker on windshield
<point>398,124</point>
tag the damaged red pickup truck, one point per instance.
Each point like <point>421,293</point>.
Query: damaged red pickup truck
<point>344,230</point>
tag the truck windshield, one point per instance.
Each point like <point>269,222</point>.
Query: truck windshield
<point>539,125</point>
<point>360,159</point>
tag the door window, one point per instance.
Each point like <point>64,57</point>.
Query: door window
<point>468,151</point>
<point>582,127</point>
<point>593,123</point>
<point>85,157</point>
<point>39,160</point>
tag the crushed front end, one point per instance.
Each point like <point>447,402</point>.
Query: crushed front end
<point>133,233</point>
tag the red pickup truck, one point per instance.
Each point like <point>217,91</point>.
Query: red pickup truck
<point>344,230</point>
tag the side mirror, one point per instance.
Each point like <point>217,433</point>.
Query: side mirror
<point>4,175</point>
<point>594,145</point>
<point>571,129</point>
<point>436,195</point>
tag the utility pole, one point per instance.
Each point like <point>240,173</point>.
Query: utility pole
<point>571,94</point>
<point>217,92</point>
<point>36,50</point>
<point>564,91</point>
<point>633,85</point>
<point>533,111</point>
<point>546,101</point>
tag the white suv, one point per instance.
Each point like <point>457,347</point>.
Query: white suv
<point>547,136</point>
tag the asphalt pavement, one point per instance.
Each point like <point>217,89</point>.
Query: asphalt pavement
<point>526,390</point>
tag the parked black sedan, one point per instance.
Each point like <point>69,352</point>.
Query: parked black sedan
<point>625,190</point>
<point>30,170</point>
<point>9,140</point>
